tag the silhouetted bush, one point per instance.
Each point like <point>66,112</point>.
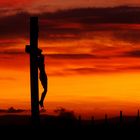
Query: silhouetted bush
<point>63,113</point>
<point>13,110</point>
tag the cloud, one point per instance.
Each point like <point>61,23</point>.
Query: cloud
<point>129,35</point>
<point>75,56</point>
<point>68,23</point>
<point>89,16</point>
<point>9,43</point>
<point>78,22</point>
<point>95,70</point>
<point>87,70</point>
<point>133,53</point>
<point>7,78</point>
<point>94,24</point>
<point>12,52</point>
<point>6,11</point>
<point>131,68</point>
<point>14,26</point>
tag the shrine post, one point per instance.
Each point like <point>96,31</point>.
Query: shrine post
<point>32,49</point>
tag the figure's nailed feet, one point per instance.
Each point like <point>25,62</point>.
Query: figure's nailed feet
<point>42,110</point>
<point>41,103</point>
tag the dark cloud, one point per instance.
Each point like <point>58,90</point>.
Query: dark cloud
<point>75,56</point>
<point>132,36</point>
<point>131,68</point>
<point>75,71</point>
<point>14,26</point>
<point>98,15</point>
<point>59,25</point>
<point>133,53</point>
<point>91,20</point>
<point>87,70</point>
<point>6,11</point>
<point>94,70</point>
<point>8,43</point>
<point>12,52</point>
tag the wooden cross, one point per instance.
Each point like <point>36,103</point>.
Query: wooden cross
<point>32,49</point>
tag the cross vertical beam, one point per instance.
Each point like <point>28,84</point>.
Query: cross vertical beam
<point>32,49</point>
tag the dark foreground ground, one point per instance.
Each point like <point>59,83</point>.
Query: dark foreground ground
<point>19,127</point>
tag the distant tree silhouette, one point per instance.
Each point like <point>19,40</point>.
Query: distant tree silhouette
<point>42,110</point>
<point>106,119</point>
<point>63,113</point>
<point>13,110</point>
<point>92,120</point>
<point>138,117</point>
<point>80,118</point>
<point>121,117</point>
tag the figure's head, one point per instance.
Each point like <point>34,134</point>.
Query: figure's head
<point>39,52</point>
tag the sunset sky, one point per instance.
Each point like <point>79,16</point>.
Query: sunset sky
<point>92,54</point>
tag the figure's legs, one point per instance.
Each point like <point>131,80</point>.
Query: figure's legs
<point>43,97</point>
<point>43,79</point>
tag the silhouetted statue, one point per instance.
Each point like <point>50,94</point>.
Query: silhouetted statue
<point>43,77</point>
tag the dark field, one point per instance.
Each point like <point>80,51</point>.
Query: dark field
<point>66,127</point>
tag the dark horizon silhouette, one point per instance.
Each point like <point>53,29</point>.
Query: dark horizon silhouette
<point>69,125</point>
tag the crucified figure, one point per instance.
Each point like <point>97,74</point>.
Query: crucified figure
<point>43,78</point>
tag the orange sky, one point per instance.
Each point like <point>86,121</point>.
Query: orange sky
<point>93,65</point>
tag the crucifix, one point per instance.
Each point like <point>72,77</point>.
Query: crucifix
<point>33,50</point>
